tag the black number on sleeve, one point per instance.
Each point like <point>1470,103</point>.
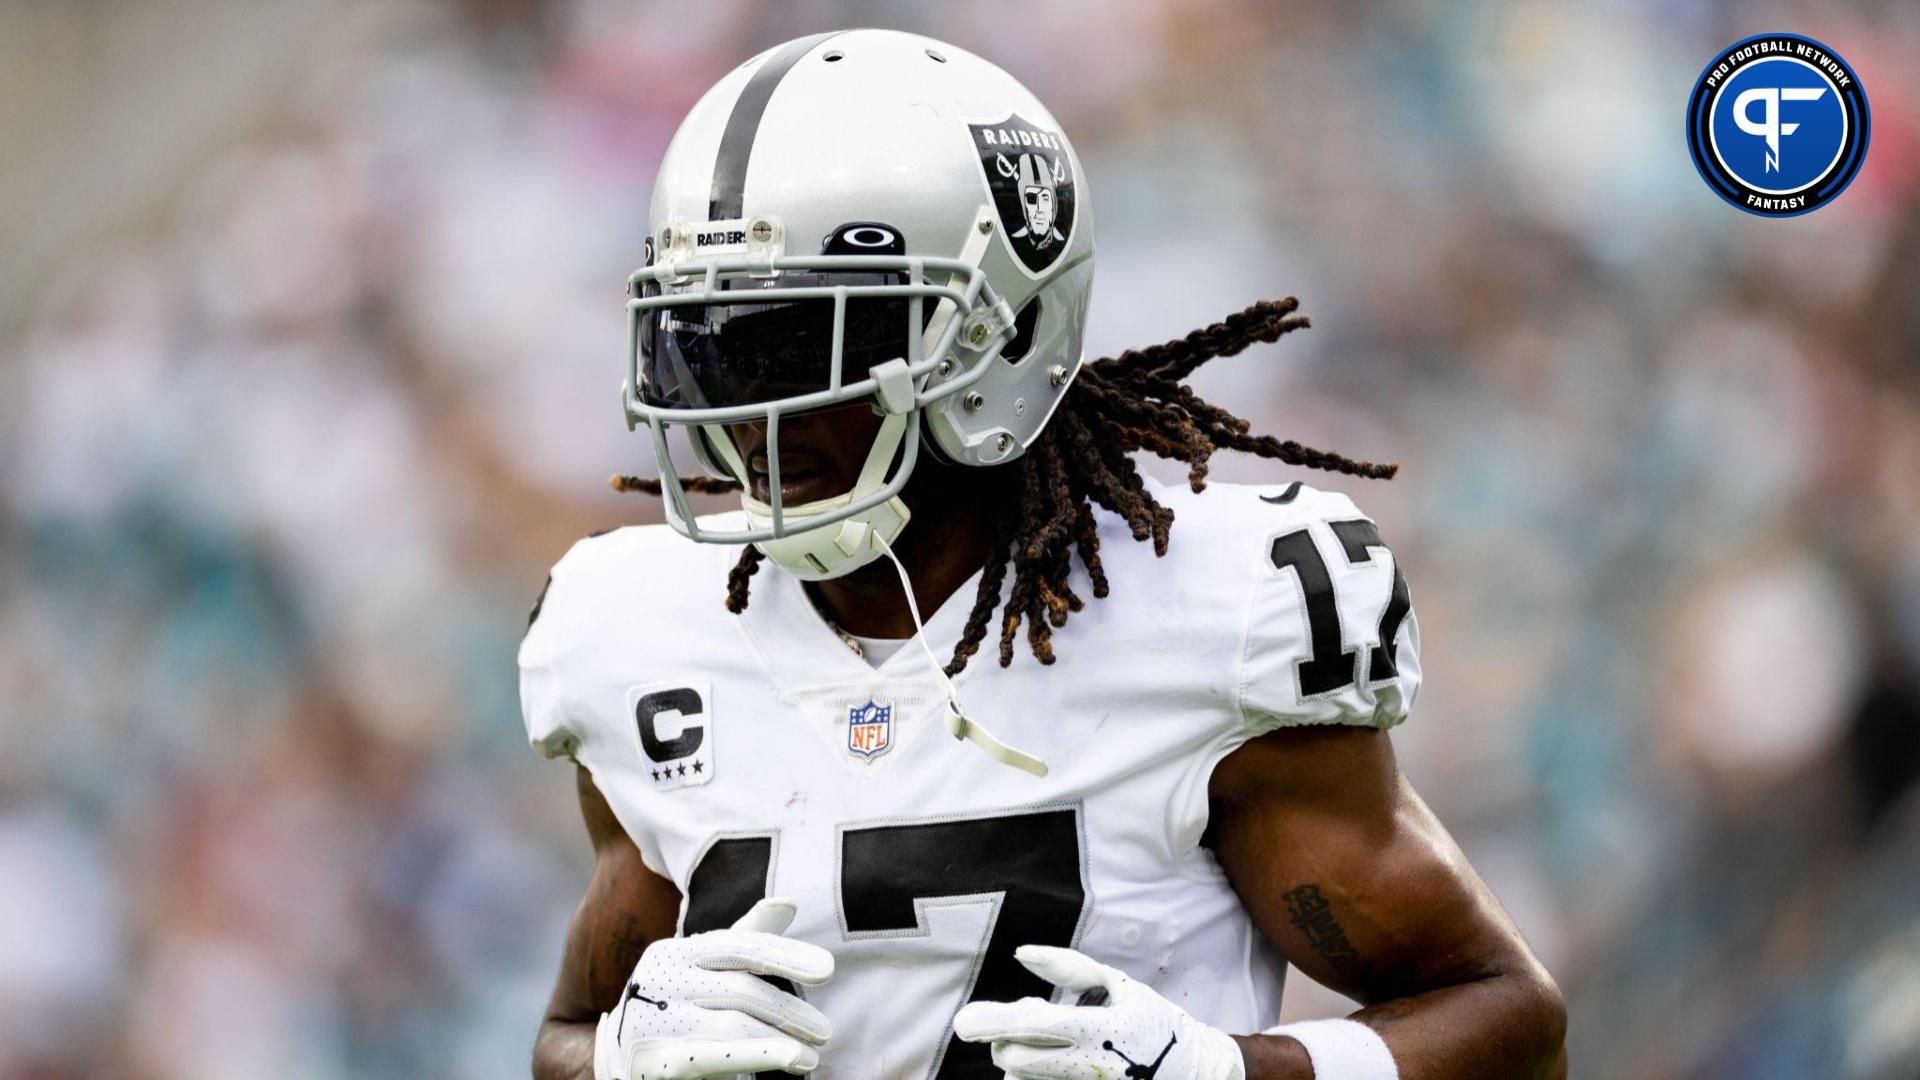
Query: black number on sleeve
<point>1031,859</point>
<point>1327,668</point>
<point>1358,538</point>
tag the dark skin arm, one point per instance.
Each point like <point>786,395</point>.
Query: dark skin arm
<point>627,906</point>
<point>1351,877</point>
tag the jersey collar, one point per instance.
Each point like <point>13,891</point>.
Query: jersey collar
<point>798,647</point>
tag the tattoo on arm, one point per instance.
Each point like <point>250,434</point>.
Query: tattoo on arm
<point>1311,914</point>
<point>1386,1014</point>
<point>625,943</point>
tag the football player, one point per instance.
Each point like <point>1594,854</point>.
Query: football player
<point>831,838</point>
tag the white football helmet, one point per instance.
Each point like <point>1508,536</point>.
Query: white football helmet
<point>863,215</point>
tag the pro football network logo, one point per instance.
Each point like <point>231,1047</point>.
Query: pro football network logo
<point>1030,175</point>
<point>1778,125</point>
<point>869,729</point>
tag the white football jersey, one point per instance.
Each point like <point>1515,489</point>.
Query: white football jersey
<point>756,755</point>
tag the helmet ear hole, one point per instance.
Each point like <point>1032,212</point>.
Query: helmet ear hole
<point>1023,324</point>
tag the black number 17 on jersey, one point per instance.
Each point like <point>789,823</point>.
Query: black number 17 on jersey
<point>1328,667</point>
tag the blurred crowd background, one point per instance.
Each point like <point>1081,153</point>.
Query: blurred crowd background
<point>310,335</point>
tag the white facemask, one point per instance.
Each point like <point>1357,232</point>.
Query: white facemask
<point>832,550</point>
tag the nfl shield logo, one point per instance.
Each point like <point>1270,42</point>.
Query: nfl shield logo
<point>869,729</point>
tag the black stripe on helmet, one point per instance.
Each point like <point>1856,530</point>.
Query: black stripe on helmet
<point>743,125</point>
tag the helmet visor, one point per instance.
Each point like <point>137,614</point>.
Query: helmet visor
<point>761,348</point>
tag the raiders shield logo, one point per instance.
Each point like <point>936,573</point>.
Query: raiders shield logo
<point>1031,177</point>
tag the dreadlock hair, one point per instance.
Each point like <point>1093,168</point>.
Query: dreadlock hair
<point>1116,405</point>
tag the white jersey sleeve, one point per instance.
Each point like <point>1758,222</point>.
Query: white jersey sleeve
<point>1330,635</point>
<point>593,639</point>
<point>1305,593</point>
<point>543,704</point>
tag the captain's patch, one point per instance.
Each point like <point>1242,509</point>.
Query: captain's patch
<point>674,724</point>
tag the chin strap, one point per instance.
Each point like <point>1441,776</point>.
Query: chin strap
<point>959,724</point>
<point>829,551</point>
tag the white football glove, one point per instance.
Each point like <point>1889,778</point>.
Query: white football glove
<point>696,1007</point>
<point>1133,1032</point>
